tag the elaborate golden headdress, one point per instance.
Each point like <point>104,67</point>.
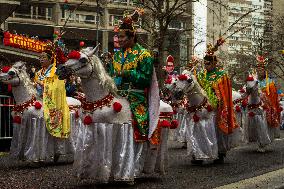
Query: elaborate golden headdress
<point>128,20</point>
<point>211,49</point>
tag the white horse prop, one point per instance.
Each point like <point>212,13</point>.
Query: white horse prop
<point>31,140</point>
<point>105,145</point>
<point>258,129</point>
<point>199,121</point>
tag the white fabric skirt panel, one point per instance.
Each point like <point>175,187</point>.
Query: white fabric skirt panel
<point>32,142</point>
<point>157,155</point>
<point>179,134</point>
<point>105,152</point>
<point>201,138</point>
<point>140,155</point>
<point>258,129</point>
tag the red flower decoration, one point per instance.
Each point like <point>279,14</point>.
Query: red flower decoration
<point>74,55</point>
<point>117,106</point>
<point>250,78</point>
<point>174,124</point>
<point>251,114</point>
<point>209,108</point>
<point>88,120</point>
<point>182,77</point>
<point>37,105</point>
<point>77,114</point>
<point>238,109</point>
<point>165,123</point>
<point>5,69</point>
<point>244,103</point>
<point>17,119</point>
<point>196,118</point>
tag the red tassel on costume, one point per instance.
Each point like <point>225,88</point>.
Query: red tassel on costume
<point>238,109</point>
<point>165,123</point>
<point>17,119</point>
<point>37,105</point>
<point>209,108</point>
<point>251,114</point>
<point>117,106</point>
<point>244,103</point>
<point>196,118</point>
<point>174,124</point>
<point>9,88</point>
<point>77,114</point>
<point>88,120</point>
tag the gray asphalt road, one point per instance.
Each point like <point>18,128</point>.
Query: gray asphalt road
<point>241,163</point>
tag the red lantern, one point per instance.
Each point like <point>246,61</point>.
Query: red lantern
<point>238,109</point>
<point>174,124</point>
<point>82,44</point>
<point>17,119</point>
<point>196,118</point>
<point>37,105</point>
<point>117,107</point>
<point>56,33</point>
<point>165,124</point>
<point>88,120</point>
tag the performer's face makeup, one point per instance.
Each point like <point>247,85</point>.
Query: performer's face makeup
<point>209,66</point>
<point>44,60</point>
<point>124,40</point>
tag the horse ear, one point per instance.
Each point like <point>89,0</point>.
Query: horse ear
<point>94,50</point>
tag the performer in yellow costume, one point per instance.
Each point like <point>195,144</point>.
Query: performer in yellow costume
<point>52,90</point>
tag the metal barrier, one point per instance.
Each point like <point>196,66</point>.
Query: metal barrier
<point>6,123</point>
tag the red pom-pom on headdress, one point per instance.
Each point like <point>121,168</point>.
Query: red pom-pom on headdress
<point>170,58</point>
<point>5,69</point>
<point>74,55</point>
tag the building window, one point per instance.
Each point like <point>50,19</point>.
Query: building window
<point>114,19</point>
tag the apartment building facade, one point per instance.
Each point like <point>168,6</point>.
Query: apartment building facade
<point>82,22</point>
<point>254,29</point>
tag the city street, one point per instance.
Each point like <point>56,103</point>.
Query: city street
<point>241,163</point>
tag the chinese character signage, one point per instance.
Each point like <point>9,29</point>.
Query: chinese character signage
<point>19,41</point>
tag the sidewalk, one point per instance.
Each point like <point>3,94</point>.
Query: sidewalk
<point>271,180</point>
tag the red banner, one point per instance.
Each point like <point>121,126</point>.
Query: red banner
<point>22,42</point>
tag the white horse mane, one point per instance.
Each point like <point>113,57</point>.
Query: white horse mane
<point>20,68</point>
<point>105,80</point>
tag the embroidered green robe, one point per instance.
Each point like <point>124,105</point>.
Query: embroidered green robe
<point>132,71</point>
